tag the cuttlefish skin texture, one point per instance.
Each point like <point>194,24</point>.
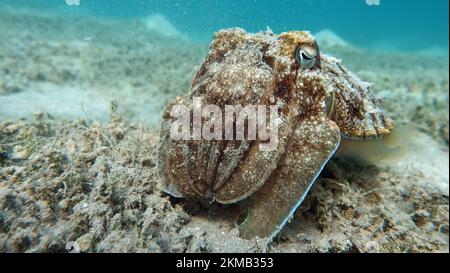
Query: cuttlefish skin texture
<point>319,103</point>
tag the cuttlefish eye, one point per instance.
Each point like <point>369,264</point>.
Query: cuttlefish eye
<point>306,56</point>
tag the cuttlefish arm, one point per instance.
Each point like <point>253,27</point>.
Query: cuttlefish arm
<point>311,145</point>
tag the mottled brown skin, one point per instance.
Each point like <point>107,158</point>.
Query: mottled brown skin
<point>317,106</point>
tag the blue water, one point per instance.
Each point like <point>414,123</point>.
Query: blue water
<point>397,24</point>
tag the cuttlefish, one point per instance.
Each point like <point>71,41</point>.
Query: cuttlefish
<point>319,103</point>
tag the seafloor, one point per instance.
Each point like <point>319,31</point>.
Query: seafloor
<point>80,103</point>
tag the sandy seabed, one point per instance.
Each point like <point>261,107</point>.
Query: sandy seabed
<point>80,105</point>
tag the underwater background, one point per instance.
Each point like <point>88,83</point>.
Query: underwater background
<point>83,88</point>
<point>399,24</point>
<point>393,24</point>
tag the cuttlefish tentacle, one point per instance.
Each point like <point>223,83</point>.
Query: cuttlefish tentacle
<point>311,145</point>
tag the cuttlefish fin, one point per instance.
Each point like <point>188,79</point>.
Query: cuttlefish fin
<point>311,145</point>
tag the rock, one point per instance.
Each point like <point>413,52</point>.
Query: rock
<point>372,247</point>
<point>84,243</point>
<point>159,24</point>
<point>326,38</point>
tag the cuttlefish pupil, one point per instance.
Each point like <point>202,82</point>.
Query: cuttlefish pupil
<point>306,56</point>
